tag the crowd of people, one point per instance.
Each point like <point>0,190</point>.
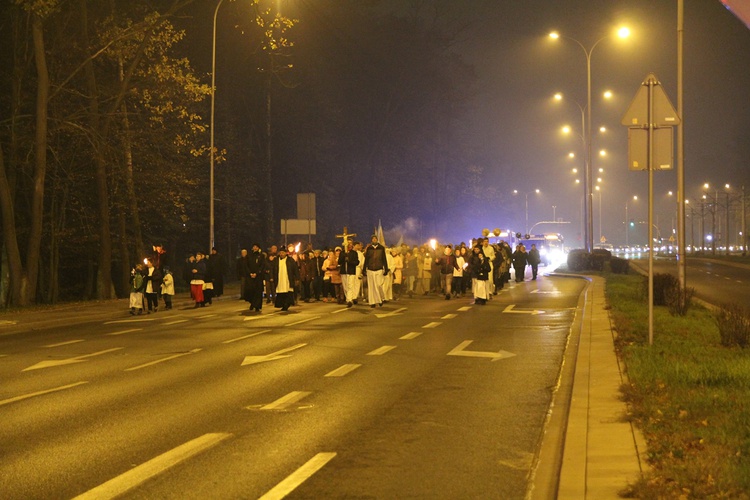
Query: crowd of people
<point>346,274</point>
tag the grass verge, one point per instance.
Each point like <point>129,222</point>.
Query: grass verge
<point>689,396</point>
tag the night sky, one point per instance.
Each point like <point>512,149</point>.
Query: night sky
<point>514,124</point>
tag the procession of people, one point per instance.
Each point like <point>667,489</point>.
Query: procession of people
<point>285,275</point>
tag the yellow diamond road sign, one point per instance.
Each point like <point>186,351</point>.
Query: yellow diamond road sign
<point>664,113</point>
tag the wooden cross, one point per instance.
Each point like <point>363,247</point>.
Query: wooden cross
<point>346,236</point>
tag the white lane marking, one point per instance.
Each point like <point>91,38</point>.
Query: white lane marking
<point>510,309</point>
<point>392,313</point>
<point>162,360</point>
<point>40,393</point>
<point>251,360</point>
<point>131,320</point>
<point>739,281</point>
<point>342,370</point>
<point>340,310</point>
<point>253,318</point>
<point>69,361</point>
<point>134,477</point>
<point>298,477</point>
<point>302,321</point>
<point>449,316</point>
<point>245,337</point>
<point>284,402</point>
<point>64,343</point>
<point>205,316</point>
<point>121,332</point>
<point>411,335</point>
<point>381,350</point>
<point>459,351</point>
<point>432,325</point>
<point>464,308</point>
<point>176,322</point>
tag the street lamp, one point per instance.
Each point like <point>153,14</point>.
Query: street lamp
<point>526,196</point>
<point>211,129</point>
<point>588,185</point>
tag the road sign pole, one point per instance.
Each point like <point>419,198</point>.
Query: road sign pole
<point>650,166</point>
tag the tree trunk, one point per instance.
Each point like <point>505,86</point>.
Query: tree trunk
<point>29,280</point>
<point>10,238</point>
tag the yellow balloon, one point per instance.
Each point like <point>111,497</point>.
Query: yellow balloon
<point>485,232</point>
<point>496,232</point>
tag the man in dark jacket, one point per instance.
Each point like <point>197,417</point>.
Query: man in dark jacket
<point>255,271</point>
<point>217,268</point>
<point>376,267</point>
<point>534,259</point>
<point>519,261</point>
<point>348,262</point>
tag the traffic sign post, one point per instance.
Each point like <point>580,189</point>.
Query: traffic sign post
<point>650,119</point>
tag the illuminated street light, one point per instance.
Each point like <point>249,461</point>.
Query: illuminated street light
<point>588,191</point>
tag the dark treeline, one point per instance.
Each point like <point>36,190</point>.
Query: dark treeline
<point>104,130</point>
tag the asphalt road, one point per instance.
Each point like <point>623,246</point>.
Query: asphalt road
<point>422,398</point>
<point>715,281</point>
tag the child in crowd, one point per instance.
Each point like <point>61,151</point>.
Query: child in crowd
<point>167,288</point>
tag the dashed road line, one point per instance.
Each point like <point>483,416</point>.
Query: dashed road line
<point>302,321</point>
<point>432,324</point>
<point>342,370</point>
<point>131,320</point>
<point>449,316</point>
<point>245,337</point>
<point>40,393</point>
<point>381,350</point>
<point>411,335</point>
<point>464,308</point>
<point>65,343</point>
<point>162,360</point>
<point>134,477</point>
<point>298,477</point>
<point>121,332</point>
<point>176,322</point>
<point>206,316</point>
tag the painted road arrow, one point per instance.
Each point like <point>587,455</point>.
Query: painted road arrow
<point>510,310</point>
<point>251,360</point>
<point>397,311</point>
<point>494,356</point>
<point>69,361</point>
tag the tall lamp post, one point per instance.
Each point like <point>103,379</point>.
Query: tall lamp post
<point>588,183</point>
<point>211,130</point>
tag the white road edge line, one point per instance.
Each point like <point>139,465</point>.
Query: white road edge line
<point>132,478</point>
<point>298,477</point>
<point>40,393</point>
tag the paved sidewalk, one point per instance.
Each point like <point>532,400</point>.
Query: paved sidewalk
<point>597,451</point>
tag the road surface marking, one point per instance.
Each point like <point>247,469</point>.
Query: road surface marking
<point>302,321</point>
<point>206,316</point>
<point>449,316</point>
<point>253,318</point>
<point>125,331</point>
<point>286,401</point>
<point>65,343</point>
<point>131,320</point>
<point>510,309</point>
<point>176,322</point>
<point>464,308</point>
<point>459,351</point>
<point>411,335</point>
<point>342,370</point>
<point>298,477</point>
<point>381,350</point>
<point>339,310</point>
<point>546,292</point>
<point>251,360</point>
<point>162,360</point>
<point>432,325</point>
<point>134,477</point>
<point>245,337</point>
<point>69,361</point>
<point>389,314</point>
<point>40,393</point>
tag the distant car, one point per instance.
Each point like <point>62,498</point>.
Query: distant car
<point>605,246</point>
